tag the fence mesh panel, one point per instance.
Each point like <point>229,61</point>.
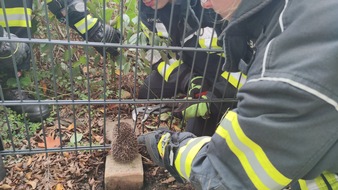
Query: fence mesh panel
<point>85,90</point>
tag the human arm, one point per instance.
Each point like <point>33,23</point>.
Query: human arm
<point>85,24</point>
<point>260,139</point>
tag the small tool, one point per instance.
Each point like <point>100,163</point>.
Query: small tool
<point>147,110</point>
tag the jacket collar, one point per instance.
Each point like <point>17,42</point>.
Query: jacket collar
<point>246,9</point>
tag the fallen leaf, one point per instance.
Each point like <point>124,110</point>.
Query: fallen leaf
<point>112,106</point>
<point>164,117</point>
<point>118,72</point>
<point>70,127</point>
<point>155,171</point>
<point>50,142</point>
<point>32,183</point>
<point>177,128</point>
<point>84,70</point>
<point>44,87</point>
<point>66,154</point>
<point>125,94</point>
<point>29,162</point>
<point>169,180</point>
<point>78,137</point>
<point>98,138</point>
<point>59,186</point>
<point>5,186</point>
<point>29,175</point>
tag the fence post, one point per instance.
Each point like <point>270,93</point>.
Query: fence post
<point>2,167</point>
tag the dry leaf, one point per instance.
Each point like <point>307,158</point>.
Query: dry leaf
<point>29,162</point>
<point>66,154</point>
<point>51,143</point>
<point>169,180</point>
<point>117,72</point>
<point>98,138</point>
<point>70,127</point>
<point>59,186</point>
<point>155,171</point>
<point>84,70</point>
<point>32,183</point>
<point>112,106</point>
<point>5,186</point>
<point>177,128</point>
<point>29,175</point>
<point>44,87</point>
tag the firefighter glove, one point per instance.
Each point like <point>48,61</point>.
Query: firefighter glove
<point>188,110</point>
<point>107,34</point>
<point>197,87</point>
<point>162,146</point>
<point>10,52</point>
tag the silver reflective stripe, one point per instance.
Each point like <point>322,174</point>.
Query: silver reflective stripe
<point>188,152</point>
<point>244,152</point>
<point>208,38</point>
<point>161,30</point>
<point>18,20</point>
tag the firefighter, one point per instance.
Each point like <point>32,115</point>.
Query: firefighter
<point>283,132</point>
<point>193,73</point>
<point>16,15</point>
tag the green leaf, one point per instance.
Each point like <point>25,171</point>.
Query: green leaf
<point>109,15</point>
<point>78,137</point>
<point>25,81</point>
<point>164,116</point>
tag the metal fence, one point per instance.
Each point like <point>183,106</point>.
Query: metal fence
<point>85,90</point>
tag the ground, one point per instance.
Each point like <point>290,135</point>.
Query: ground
<point>83,170</point>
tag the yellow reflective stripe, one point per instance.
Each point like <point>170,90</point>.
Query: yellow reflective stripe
<point>162,143</point>
<point>332,179</point>
<point>241,156</point>
<point>221,54</point>
<point>81,25</point>
<point>16,49</point>
<point>187,153</point>
<point>16,17</point>
<point>319,183</point>
<point>205,43</point>
<point>235,79</point>
<point>254,161</point>
<point>302,185</point>
<point>165,70</point>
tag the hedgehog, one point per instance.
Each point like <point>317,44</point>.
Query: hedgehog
<point>124,145</point>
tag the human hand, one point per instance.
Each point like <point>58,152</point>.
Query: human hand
<point>13,51</point>
<point>190,110</point>
<point>108,34</point>
<point>196,88</point>
<point>162,146</point>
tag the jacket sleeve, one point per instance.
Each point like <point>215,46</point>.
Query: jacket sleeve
<point>265,146</point>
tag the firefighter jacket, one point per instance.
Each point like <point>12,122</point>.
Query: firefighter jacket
<point>17,15</point>
<point>284,129</point>
<point>188,25</point>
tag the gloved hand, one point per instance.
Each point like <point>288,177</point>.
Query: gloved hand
<point>196,88</point>
<point>162,146</point>
<point>100,32</point>
<point>190,110</point>
<point>105,33</point>
<point>9,51</point>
